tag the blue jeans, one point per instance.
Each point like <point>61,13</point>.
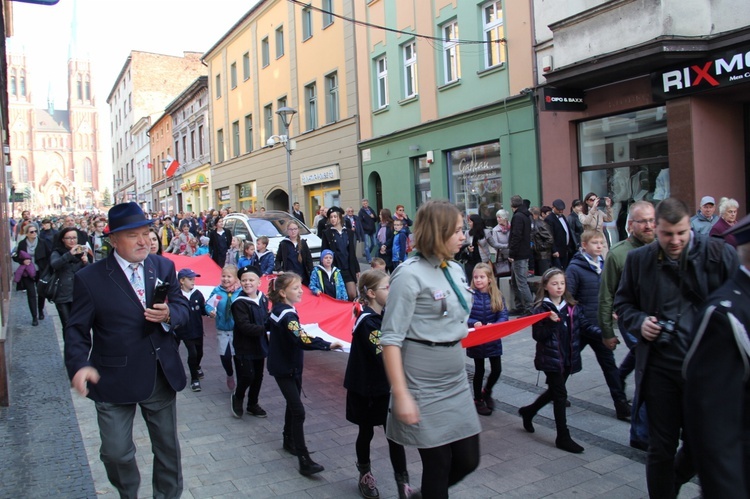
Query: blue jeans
<point>520,285</point>
<point>370,243</point>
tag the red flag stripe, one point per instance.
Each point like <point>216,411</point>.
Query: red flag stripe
<point>492,332</point>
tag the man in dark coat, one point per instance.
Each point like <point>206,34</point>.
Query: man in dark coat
<point>717,386</point>
<point>563,246</point>
<point>662,288</point>
<point>297,213</point>
<point>368,221</point>
<point>120,351</point>
<point>519,252</point>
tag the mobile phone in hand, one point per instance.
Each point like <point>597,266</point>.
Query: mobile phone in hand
<point>160,293</point>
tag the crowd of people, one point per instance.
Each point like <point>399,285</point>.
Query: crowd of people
<point>432,281</point>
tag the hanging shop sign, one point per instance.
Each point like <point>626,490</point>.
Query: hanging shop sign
<point>557,99</point>
<point>717,70</point>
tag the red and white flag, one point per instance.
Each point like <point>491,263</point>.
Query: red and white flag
<point>172,166</point>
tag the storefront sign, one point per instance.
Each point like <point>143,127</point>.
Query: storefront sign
<point>224,194</point>
<point>718,70</point>
<point>320,175</point>
<point>556,99</point>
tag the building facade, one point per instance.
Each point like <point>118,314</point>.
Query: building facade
<point>282,54</point>
<point>56,156</point>
<point>651,100</point>
<point>190,120</point>
<point>146,84</point>
<point>445,106</point>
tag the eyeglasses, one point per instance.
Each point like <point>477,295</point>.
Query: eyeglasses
<point>31,232</point>
<point>649,221</point>
<point>293,229</point>
<point>75,238</point>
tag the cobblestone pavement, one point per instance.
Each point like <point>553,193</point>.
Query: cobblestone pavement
<point>224,457</point>
<point>41,449</point>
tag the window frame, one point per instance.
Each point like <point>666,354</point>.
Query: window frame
<point>235,138</point>
<point>311,106</point>
<point>246,66</point>
<point>381,81</point>
<point>279,42</point>
<point>268,121</point>
<point>327,7</point>
<point>220,145</point>
<point>497,26</point>
<point>451,58</point>
<point>332,97</point>
<point>249,133</point>
<point>218,85</point>
<point>233,75</point>
<point>265,51</point>
<point>307,24</point>
<point>410,69</point>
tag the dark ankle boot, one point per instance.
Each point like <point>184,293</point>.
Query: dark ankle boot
<point>307,466</point>
<point>566,443</point>
<point>527,415</point>
<point>367,482</point>
<point>487,397</point>
<point>404,489</point>
<point>289,445</point>
<point>41,314</point>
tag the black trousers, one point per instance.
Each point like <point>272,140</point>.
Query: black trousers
<point>249,378</point>
<point>63,310</point>
<point>557,394</point>
<point>195,355</point>
<point>496,367</point>
<point>36,302</point>
<point>447,465</point>
<point>666,467</point>
<point>294,417</point>
<point>606,359</point>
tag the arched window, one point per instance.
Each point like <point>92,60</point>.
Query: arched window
<point>79,88</point>
<point>88,171</point>
<point>23,169</point>
<point>23,84</point>
<point>13,83</point>
<point>88,88</point>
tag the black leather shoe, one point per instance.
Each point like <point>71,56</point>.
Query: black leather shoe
<point>35,322</point>
<point>639,444</point>
<point>307,466</point>
<point>41,315</point>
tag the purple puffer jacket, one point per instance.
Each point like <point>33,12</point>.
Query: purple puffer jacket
<point>24,270</point>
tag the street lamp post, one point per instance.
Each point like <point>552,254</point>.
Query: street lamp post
<point>286,114</point>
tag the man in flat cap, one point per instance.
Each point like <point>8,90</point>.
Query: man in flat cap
<point>717,383</point>
<point>702,221</point>
<point>120,351</point>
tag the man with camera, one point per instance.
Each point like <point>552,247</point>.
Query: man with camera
<point>663,285</point>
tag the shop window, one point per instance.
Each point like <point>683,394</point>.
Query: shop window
<point>625,157</point>
<point>476,185</point>
<point>247,196</point>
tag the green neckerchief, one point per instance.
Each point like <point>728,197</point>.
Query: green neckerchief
<point>446,272</point>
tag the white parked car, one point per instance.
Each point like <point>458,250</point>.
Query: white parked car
<point>271,224</point>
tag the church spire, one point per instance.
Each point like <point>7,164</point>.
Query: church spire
<point>73,47</point>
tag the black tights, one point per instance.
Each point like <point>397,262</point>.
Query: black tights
<point>447,465</point>
<point>496,367</point>
<point>36,302</point>
<point>362,446</point>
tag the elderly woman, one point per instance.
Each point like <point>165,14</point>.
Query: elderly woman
<point>498,239</point>
<point>727,218</point>
<point>37,252</point>
<point>592,218</point>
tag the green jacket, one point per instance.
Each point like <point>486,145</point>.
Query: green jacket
<point>610,280</point>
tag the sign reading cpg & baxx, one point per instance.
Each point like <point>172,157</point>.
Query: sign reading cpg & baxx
<point>718,70</point>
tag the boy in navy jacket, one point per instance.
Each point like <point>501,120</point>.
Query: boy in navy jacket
<point>192,335</point>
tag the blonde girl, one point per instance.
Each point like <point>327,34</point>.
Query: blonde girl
<point>488,308</point>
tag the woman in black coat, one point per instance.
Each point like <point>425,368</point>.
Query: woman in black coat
<point>294,254</point>
<point>68,257</point>
<point>219,241</point>
<point>337,238</point>
<point>39,251</point>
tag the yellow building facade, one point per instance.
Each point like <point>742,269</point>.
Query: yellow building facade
<point>284,54</point>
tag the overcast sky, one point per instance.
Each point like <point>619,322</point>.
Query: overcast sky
<point>107,30</point>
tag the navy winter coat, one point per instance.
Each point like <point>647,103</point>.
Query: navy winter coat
<point>582,282</point>
<point>558,344</point>
<point>194,328</point>
<point>481,311</point>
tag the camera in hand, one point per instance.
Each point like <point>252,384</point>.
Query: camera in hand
<point>668,331</point>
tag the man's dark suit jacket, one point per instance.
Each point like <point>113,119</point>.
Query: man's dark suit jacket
<point>107,330</point>
<point>561,244</point>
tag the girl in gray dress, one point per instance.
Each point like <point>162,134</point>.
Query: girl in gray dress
<point>425,319</point>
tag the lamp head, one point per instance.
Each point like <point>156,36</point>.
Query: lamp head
<point>286,114</point>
